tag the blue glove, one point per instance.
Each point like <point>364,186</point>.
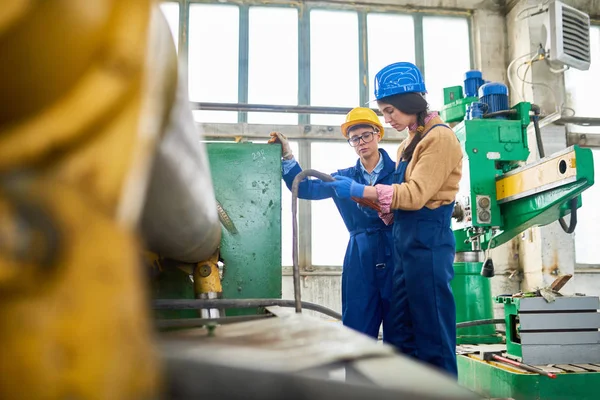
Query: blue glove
<point>346,187</point>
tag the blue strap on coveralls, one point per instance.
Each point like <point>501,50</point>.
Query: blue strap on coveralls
<point>423,309</point>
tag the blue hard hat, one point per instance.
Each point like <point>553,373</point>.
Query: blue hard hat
<point>398,78</point>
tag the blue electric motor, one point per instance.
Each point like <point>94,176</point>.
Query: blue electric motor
<point>472,83</point>
<point>495,96</point>
<point>476,110</point>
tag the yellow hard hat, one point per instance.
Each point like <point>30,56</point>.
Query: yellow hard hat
<point>361,115</point>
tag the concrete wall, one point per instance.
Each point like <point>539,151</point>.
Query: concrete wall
<point>324,290</point>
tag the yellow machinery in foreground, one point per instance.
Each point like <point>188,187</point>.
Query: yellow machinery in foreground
<point>99,161</point>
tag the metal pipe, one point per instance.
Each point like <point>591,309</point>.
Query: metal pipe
<point>479,322</point>
<point>272,108</point>
<point>469,256</point>
<point>179,304</point>
<point>296,271</point>
<point>585,121</point>
<point>180,219</point>
<point>198,322</point>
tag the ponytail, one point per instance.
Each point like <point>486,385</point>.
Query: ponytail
<point>408,151</point>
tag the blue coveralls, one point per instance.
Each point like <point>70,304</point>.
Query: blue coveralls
<point>368,263</point>
<point>423,310</point>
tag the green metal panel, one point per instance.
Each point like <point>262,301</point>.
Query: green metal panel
<point>247,182</point>
<point>473,297</point>
<point>456,110</point>
<point>453,93</point>
<point>511,311</point>
<point>173,283</point>
<point>545,207</point>
<point>490,381</point>
<point>490,148</point>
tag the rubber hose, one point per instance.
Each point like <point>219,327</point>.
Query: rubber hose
<point>573,222</point>
<point>538,137</point>
<point>181,304</point>
<point>499,113</point>
<point>296,269</point>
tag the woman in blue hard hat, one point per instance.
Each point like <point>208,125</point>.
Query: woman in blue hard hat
<point>429,165</point>
<point>368,263</point>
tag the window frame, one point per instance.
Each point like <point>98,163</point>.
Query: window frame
<point>581,137</point>
<point>304,133</point>
<point>304,108</point>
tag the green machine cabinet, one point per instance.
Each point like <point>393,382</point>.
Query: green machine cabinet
<point>246,179</point>
<point>247,183</point>
<point>564,331</point>
<point>455,104</point>
<point>491,147</point>
<point>492,380</point>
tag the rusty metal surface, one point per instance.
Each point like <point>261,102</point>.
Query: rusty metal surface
<point>289,343</point>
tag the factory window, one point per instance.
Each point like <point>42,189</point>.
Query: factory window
<point>273,62</point>
<point>306,54</point>
<point>588,221</point>
<point>446,54</point>
<point>171,13</point>
<point>286,216</point>
<point>582,88</point>
<point>266,55</point>
<point>390,148</point>
<point>329,234</point>
<point>333,62</point>
<point>391,38</point>
<point>213,58</point>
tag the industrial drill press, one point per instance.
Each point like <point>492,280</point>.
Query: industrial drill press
<point>500,197</point>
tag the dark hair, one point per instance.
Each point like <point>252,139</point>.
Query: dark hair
<point>412,104</point>
<point>353,127</point>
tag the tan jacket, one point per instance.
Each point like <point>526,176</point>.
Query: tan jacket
<point>433,174</point>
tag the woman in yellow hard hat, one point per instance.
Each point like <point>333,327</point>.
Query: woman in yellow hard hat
<point>367,268</point>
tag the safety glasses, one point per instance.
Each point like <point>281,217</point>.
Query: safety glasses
<point>366,137</point>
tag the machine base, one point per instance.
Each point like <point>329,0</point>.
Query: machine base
<point>497,380</point>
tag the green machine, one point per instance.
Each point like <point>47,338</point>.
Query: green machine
<point>246,178</point>
<point>456,101</point>
<point>501,196</point>
<point>247,183</point>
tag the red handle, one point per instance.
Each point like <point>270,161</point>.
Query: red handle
<point>525,366</point>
